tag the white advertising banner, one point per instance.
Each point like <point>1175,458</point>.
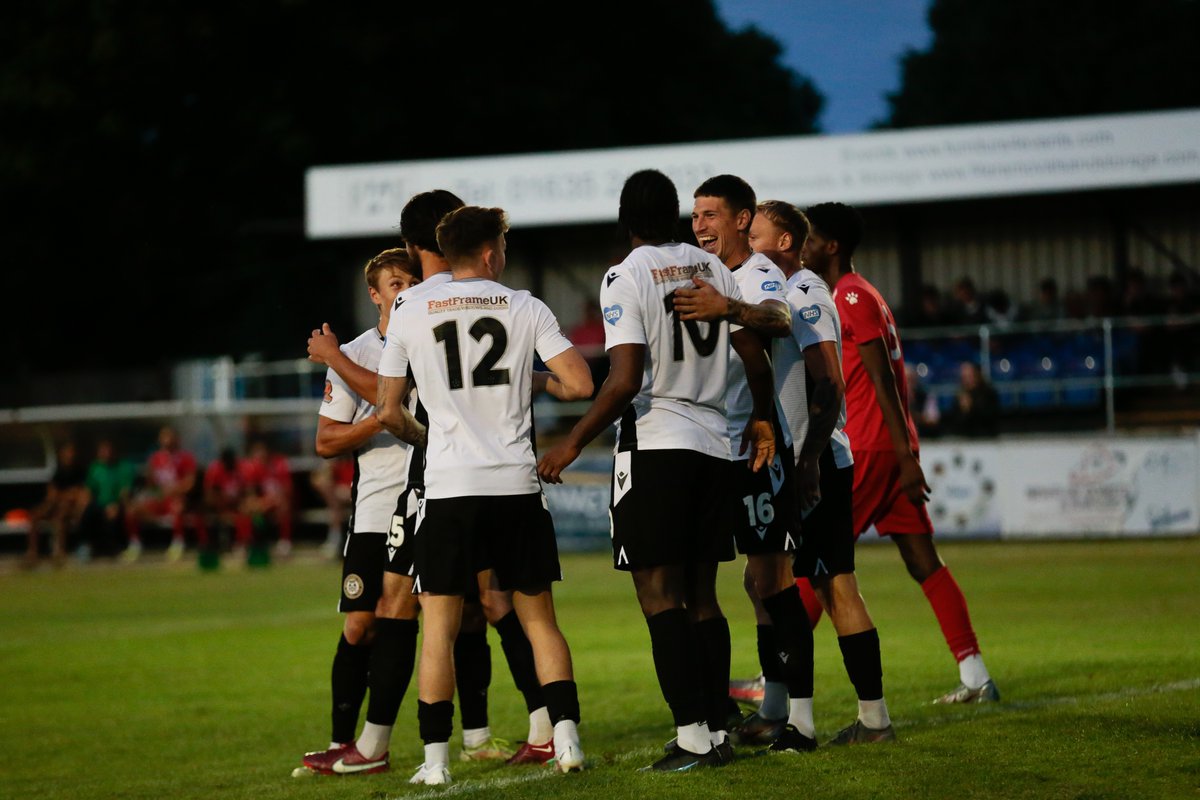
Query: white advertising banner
<point>869,168</point>
<point>1113,487</point>
<point>965,481</point>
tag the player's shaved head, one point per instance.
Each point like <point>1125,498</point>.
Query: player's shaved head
<point>649,206</point>
<point>839,222</point>
<point>421,215</point>
<point>463,233</point>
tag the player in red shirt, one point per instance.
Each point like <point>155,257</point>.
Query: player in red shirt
<point>890,490</point>
<point>170,478</point>
<point>269,479</point>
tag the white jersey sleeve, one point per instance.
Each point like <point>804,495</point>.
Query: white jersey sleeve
<point>621,305</point>
<point>816,315</point>
<point>340,401</point>
<point>549,340</point>
<point>758,280</point>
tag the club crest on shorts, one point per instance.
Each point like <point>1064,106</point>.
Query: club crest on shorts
<point>352,586</point>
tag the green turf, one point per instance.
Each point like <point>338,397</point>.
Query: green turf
<point>158,681</point>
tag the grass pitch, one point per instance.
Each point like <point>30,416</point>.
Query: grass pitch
<point>157,681</point>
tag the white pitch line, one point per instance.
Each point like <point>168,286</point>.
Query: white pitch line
<point>471,787</point>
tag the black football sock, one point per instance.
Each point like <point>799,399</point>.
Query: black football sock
<point>674,661</point>
<point>349,683</point>
<point>768,655</point>
<point>473,674</point>
<point>794,639</point>
<point>860,654</point>
<point>713,638</point>
<point>392,655</point>
<point>562,701</point>
<point>435,721</point>
<point>519,655</point>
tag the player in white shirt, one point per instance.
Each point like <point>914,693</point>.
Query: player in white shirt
<point>394,649</point>
<point>766,528</point>
<point>670,516</point>
<point>825,479</point>
<point>469,346</point>
<point>347,424</point>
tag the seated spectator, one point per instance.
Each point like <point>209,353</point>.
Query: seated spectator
<point>1048,306</point>
<point>1100,298</point>
<point>999,309</point>
<point>976,409</point>
<point>1137,300</point>
<point>66,498</point>
<point>268,481</point>
<point>170,479</point>
<point>333,480</point>
<point>226,498</point>
<point>588,338</point>
<point>968,309</point>
<point>110,481</point>
<point>921,404</point>
<point>931,312</point>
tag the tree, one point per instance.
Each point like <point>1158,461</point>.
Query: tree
<point>153,153</point>
<point>1028,59</point>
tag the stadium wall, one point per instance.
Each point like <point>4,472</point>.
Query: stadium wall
<point>1044,488</point>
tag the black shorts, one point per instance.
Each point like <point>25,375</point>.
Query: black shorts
<point>669,507</point>
<point>827,546</point>
<point>764,506</point>
<point>398,557</point>
<point>362,571</point>
<point>459,537</point>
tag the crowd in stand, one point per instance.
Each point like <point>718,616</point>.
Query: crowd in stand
<point>1101,297</point>
<point>238,501</point>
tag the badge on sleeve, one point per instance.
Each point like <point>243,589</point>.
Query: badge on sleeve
<point>612,314</point>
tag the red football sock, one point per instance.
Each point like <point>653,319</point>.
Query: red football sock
<point>812,605</point>
<point>950,607</point>
<point>285,527</point>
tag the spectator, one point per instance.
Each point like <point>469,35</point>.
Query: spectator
<point>976,409</point>
<point>110,481</point>
<point>226,498</point>
<point>269,481</point>
<point>1100,298</point>
<point>170,479</point>
<point>66,498</point>
<point>1137,300</point>
<point>921,404</point>
<point>1048,306</point>
<point>332,480</point>
<point>969,310</point>
<point>932,310</point>
<point>1000,310</point>
<point>588,338</point>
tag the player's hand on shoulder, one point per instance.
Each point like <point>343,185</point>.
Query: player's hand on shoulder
<point>702,303</point>
<point>759,439</point>
<point>322,344</point>
<point>555,460</point>
<point>912,480</point>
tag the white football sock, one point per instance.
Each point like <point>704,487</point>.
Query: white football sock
<point>694,738</point>
<point>800,715</point>
<point>775,701</point>
<point>437,755</point>
<point>874,714</point>
<point>373,741</point>
<point>540,729</point>
<point>476,737</point>
<point>565,733</point>
<point>716,737</point>
<point>972,672</point>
